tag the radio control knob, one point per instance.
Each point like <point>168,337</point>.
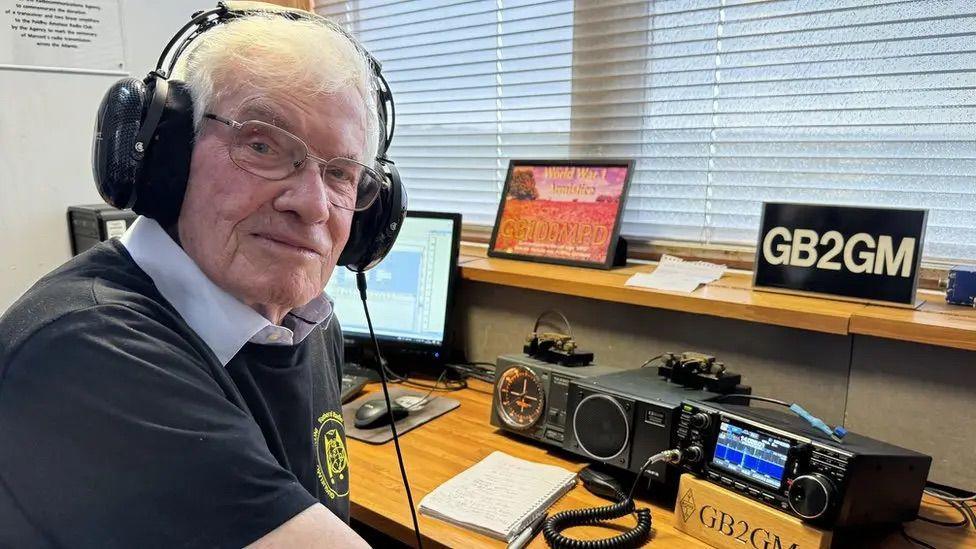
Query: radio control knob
<point>693,454</point>
<point>811,496</point>
<point>700,420</point>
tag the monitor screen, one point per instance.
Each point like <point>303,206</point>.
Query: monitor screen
<point>408,291</point>
<point>751,454</point>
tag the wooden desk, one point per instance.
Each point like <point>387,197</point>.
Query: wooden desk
<point>435,452</point>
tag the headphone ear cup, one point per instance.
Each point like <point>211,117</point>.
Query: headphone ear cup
<point>115,162</point>
<point>166,167</point>
<point>375,229</point>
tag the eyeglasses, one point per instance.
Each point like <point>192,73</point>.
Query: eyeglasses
<point>270,152</point>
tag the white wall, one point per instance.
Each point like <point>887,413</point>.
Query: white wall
<point>46,122</point>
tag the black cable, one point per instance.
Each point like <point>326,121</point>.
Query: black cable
<point>652,359</point>
<point>488,376</point>
<point>569,328</point>
<point>969,512</point>
<point>486,379</point>
<point>424,399</point>
<point>916,541</point>
<point>972,514</point>
<point>361,284</point>
<point>464,368</point>
<point>450,385</point>
<point>967,515</point>
<point>947,493</point>
<point>477,363</point>
<point>959,503</point>
<point>474,366</point>
<point>392,376</point>
<point>948,497</point>
<point>947,524</point>
<point>635,537</point>
<point>753,397</point>
<point>480,377</point>
<point>814,421</point>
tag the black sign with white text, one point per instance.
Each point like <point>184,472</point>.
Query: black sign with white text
<point>870,254</point>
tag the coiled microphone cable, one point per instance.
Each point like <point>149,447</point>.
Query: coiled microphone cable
<point>635,537</point>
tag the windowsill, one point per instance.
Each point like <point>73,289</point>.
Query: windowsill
<point>732,296</point>
<point>933,272</point>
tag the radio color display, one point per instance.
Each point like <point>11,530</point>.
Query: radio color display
<point>751,454</point>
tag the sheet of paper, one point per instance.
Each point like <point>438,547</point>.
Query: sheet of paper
<point>677,275</point>
<point>499,495</point>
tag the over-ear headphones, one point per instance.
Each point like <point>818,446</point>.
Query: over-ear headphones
<point>144,140</point>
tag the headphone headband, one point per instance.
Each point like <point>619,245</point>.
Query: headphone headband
<point>203,21</point>
<point>199,19</point>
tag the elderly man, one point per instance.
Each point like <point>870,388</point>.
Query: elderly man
<point>178,387</point>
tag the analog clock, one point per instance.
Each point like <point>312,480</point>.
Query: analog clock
<point>521,397</point>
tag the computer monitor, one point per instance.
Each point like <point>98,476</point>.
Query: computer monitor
<point>409,293</point>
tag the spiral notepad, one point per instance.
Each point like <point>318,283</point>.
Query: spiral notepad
<point>499,496</point>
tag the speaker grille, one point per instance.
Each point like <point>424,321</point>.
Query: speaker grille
<point>601,426</point>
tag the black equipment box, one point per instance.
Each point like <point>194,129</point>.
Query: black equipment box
<point>778,459</point>
<point>622,419</point>
<point>94,223</point>
<point>530,396</point>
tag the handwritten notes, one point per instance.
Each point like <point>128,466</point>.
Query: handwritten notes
<point>498,496</point>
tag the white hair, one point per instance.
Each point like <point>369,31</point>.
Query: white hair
<point>270,53</point>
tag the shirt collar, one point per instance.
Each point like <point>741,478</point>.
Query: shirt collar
<point>224,323</point>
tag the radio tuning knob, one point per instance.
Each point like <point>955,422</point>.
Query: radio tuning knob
<point>700,420</point>
<point>811,496</point>
<point>693,454</point>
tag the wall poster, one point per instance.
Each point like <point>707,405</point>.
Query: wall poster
<point>62,35</point>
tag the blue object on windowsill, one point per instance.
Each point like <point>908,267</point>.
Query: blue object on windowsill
<point>961,285</point>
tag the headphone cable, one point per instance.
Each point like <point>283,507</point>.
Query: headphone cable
<point>361,284</point>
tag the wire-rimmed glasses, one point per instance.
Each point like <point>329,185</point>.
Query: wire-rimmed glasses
<point>273,153</point>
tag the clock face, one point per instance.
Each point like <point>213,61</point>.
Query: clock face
<point>521,398</point>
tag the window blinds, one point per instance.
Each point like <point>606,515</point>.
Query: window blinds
<point>723,103</point>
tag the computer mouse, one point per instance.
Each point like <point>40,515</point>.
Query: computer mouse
<point>372,414</point>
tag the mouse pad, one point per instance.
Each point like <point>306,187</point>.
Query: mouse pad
<point>438,405</point>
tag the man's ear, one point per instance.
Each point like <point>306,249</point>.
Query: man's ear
<point>166,166</point>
